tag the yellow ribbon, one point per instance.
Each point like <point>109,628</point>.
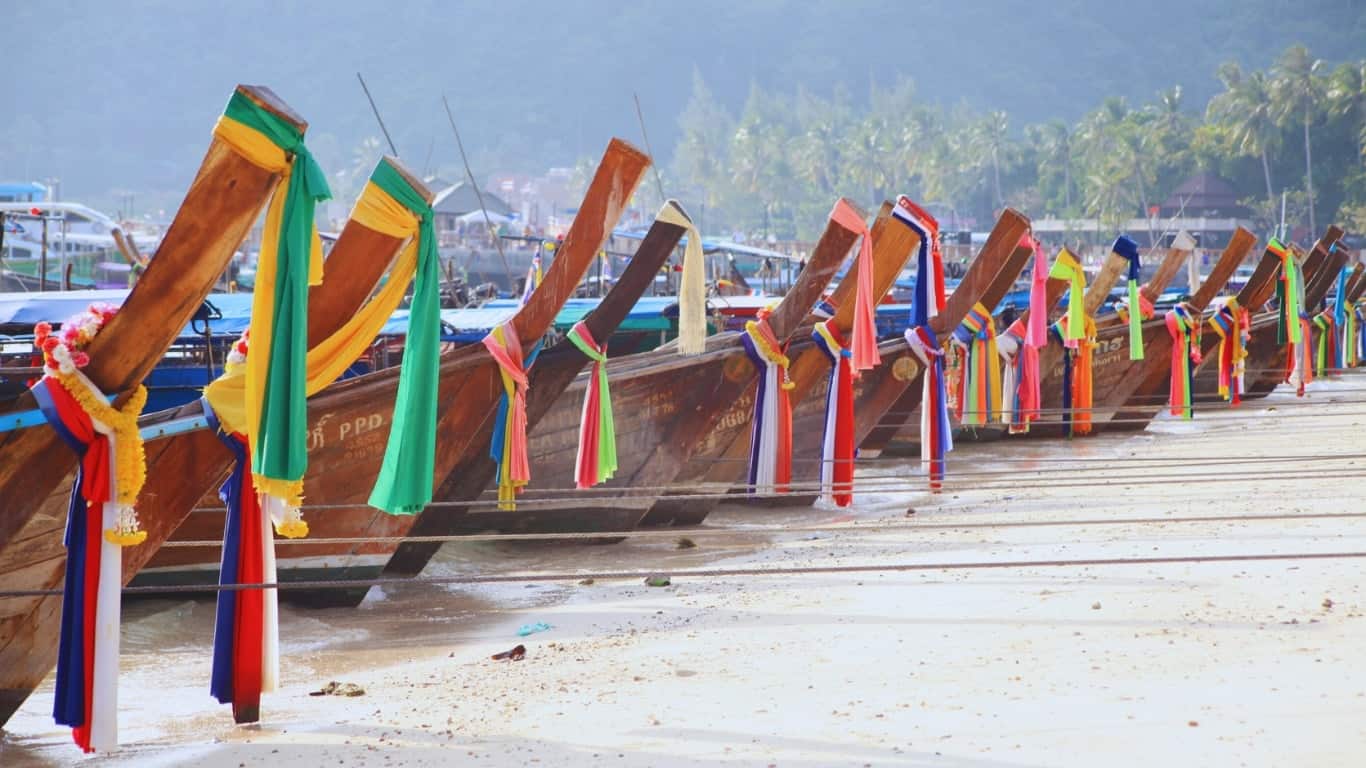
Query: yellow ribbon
<point>692,291</point>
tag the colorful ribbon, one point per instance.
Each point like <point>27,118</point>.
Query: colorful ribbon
<point>936,434</point>
<point>509,446</point>
<point>1289,295</point>
<point>770,452</point>
<point>865,354</point>
<point>107,441</point>
<point>246,637</point>
<point>1125,246</point>
<point>1078,397</point>
<point>290,261</point>
<point>692,289</point>
<point>1351,346</point>
<point>1067,267</point>
<point>1299,362</point>
<point>596,461</point>
<point>1233,325</point>
<point>533,278</point>
<point>1183,323</point>
<point>1326,353</point>
<point>979,400</point>
<point>837,442</point>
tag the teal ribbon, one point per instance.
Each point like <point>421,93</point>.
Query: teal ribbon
<point>404,485</point>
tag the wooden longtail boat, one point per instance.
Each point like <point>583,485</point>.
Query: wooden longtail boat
<point>554,371</point>
<point>1115,377</point>
<point>223,201</point>
<point>1152,395</point>
<point>348,422</point>
<point>664,403</point>
<point>988,279</point>
<point>186,466</point>
<point>1265,355</point>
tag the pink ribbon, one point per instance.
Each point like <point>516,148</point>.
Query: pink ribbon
<point>508,355</point>
<point>864,342</point>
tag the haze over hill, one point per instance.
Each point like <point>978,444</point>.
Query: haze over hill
<point>118,97</point>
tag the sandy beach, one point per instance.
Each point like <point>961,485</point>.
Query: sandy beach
<point>1240,662</point>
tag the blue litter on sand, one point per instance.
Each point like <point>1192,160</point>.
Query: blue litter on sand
<point>531,629</point>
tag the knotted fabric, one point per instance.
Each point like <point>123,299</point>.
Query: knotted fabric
<point>837,445</point>
<point>1019,411</point>
<point>597,457</point>
<point>509,447</point>
<point>533,278</point>
<point>865,354</point>
<point>1078,397</point>
<point>1183,324</point>
<point>770,451</point>
<point>979,400</point>
<point>86,691</point>
<point>1023,391</point>
<point>290,261</point>
<point>1351,335</point>
<point>1125,246</point>
<point>1299,361</point>
<point>936,434</point>
<point>1289,295</point>
<point>246,636</point>
<point>692,291</point>
<point>1067,267</point>
<point>1326,351</point>
<point>1233,325</point>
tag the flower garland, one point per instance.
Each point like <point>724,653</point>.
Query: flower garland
<point>770,454</point>
<point>63,356</point>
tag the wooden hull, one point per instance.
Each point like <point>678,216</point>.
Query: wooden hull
<point>876,391</point>
<point>220,206</point>
<point>349,426</point>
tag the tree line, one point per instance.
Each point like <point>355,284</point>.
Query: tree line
<point>1298,128</point>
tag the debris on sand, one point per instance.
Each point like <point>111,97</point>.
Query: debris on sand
<point>516,653</point>
<point>334,688</point>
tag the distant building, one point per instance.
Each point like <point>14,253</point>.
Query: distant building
<point>459,199</point>
<point>1203,195</point>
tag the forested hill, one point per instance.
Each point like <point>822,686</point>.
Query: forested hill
<point>120,96</point>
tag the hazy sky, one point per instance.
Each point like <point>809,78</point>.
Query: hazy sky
<point>114,96</point>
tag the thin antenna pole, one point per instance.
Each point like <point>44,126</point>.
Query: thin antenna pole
<point>488,223</point>
<point>653,165</point>
<point>427,164</point>
<point>378,119</point>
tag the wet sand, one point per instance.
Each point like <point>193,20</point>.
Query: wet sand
<point>1216,663</point>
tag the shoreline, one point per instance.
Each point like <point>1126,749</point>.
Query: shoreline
<point>1193,663</point>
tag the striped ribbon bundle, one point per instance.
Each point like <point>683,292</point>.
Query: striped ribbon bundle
<point>1351,335</point>
<point>1022,381</point>
<point>276,418</point>
<point>1183,323</point>
<point>837,442</point>
<point>508,448</point>
<point>1077,391</point>
<point>1126,247</point>
<point>1068,267</point>
<point>246,630</point>
<point>108,478</point>
<point>770,451</point>
<point>1327,356</point>
<point>1299,360</point>
<point>533,278</point>
<point>1289,295</point>
<point>936,434</point>
<point>596,461</point>
<point>1233,324</point>
<point>979,397</point>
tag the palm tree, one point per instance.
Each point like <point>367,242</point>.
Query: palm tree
<point>1347,97</point>
<point>1245,108</point>
<point>1298,89</point>
<point>989,138</point>
<point>1054,140</point>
